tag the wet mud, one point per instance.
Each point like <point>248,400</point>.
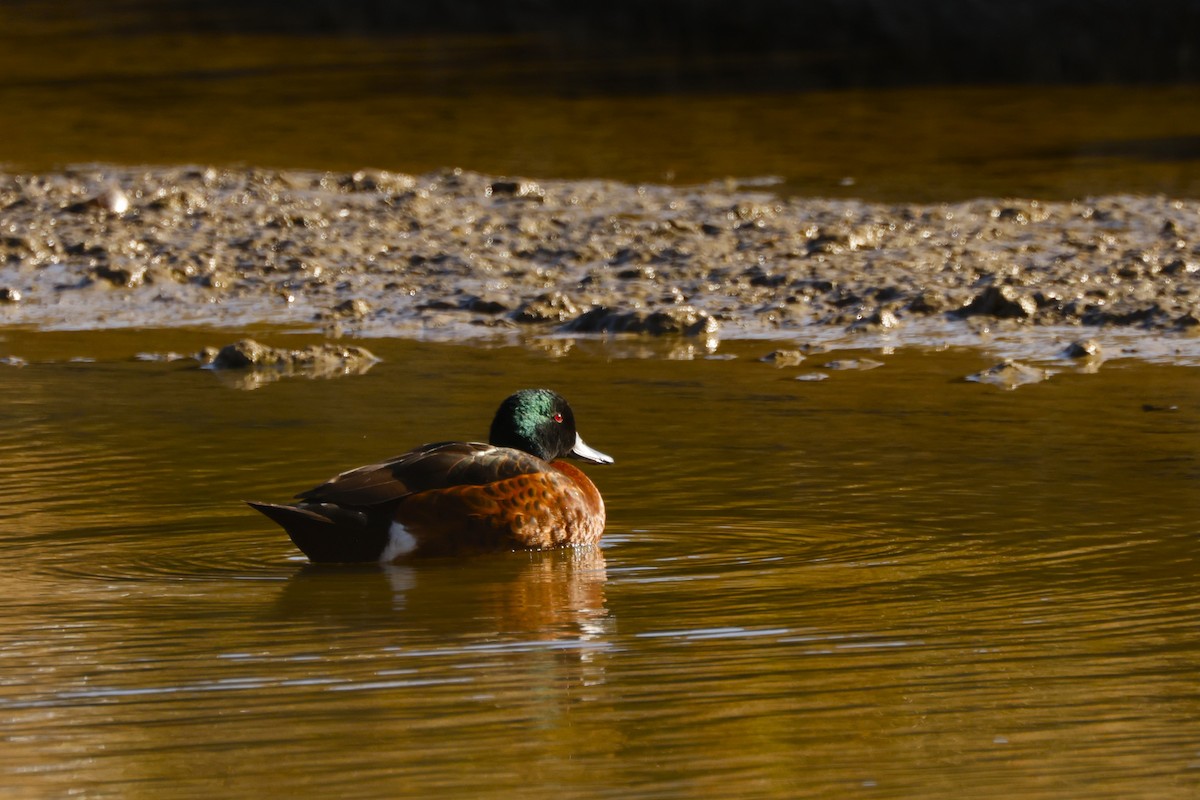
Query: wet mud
<point>457,255</point>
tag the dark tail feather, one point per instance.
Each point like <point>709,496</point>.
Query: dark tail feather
<point>327,533</point>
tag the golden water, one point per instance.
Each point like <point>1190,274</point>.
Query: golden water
<point>891,583</point>
<point>140,84</point>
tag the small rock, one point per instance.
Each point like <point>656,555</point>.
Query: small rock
<point>482,305</point>
<point>440,304</point>
<point>643,271</point>
<point>10,295</point>
<point>1001,301</point>
<point>1180,267</point>
<point>853,363</point>
<point>1010,214</point>
<point>783,358</point>
<point>549,307</point>
<point>1083,348</point>
<point>239,355</point>
<point>161,358</point>
<point>880,320</point>
<point>129,276</point>
<point>113,200</point>
<point>213,280</point>
<point>270,363</point>
<point>929,302</point>
<point>352,308</point>
<point>683,320</point>
<point>1189,321</point>
<point>1009,374</point>
<point>813,376</point>
<point>518,189</point>
<point>13,361</point>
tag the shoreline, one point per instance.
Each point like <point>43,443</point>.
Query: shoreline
<point>460,256</point>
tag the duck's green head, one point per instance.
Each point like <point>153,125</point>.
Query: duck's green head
<point>540,422</point>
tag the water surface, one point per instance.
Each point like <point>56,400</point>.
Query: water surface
<point>891,583</point>
<point>162,86</point>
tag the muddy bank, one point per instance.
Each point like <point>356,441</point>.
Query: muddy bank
<point>459,255</point>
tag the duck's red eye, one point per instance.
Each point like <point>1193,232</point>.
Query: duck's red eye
<point>558,417</point>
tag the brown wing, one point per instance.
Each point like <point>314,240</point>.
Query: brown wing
<point>434,466</point>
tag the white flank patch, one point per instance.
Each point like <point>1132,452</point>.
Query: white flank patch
<point>400,543</point>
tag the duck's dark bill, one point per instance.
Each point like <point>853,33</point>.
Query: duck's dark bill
<point>582,451</point>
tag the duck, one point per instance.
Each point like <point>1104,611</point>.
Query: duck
<point>514,492</point>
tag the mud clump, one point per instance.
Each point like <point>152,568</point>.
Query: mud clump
<point>1083,348</point>
<point>860,364</point>
<point>784,357</point>
<point>128,276</point>
<point>675,320</point>
<point>352,308</point>
<point>258,363</point>
<point>548,307</point>
<point>248,353</point>
<point>1001,301</point>
<point>1009,374</point>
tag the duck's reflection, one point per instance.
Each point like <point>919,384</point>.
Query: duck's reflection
<point>552,595</point>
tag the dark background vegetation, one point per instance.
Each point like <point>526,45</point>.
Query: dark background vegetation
<point>721,44</point>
